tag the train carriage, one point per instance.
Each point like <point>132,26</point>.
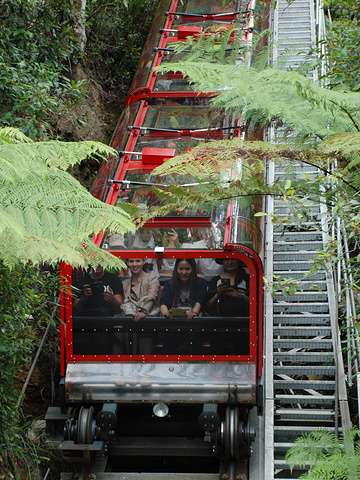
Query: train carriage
<point>198,380</point>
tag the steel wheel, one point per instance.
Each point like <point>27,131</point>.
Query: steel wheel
<point>231,434</point>
<point>86,425</point>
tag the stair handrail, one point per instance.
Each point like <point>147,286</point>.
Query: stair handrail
<point>344,275</point>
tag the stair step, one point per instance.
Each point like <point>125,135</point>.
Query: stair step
<point>292,432</point>
<point>294,227</point>
<point>294,331</point>
<point>301,246</point>
<point>301,275</point>
<point>285,207</point>
<point>298,256</point>
<point>281,464</point>
<point>320,370</point>
<point>292,266</point>
<point>301,307</point>
<point>307,286</point>
<point>314,235</point>
<point>309,296</point>
<point>304,385</point>
<point>305,399</point>
<point>308,343</point>
<point>283,446</point>
<point>306,318</point>
<point>306,357</point>
<point>305,414</point>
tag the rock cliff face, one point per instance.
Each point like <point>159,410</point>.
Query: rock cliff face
<point>94,117</point>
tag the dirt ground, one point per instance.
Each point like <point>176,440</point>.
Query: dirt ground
<point>93,118</point>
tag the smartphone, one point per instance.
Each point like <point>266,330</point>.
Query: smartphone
<point>178,312</point>
<point>225,281</point>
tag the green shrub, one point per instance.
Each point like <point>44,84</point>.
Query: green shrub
<point>116,34</point>
<point>27,298</point>
<point>37,43</point>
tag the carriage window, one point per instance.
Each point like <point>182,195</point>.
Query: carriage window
<point>246,226</point>
<point>138,189</point>
<point>170,238</point>
<point>177,113</point>
<point>209,7</point>
<point>219,328</point>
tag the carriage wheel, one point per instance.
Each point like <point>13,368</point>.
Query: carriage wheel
<point>86,425</point>
<point>231,434</point>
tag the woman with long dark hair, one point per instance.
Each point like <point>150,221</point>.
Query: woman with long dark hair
<point>185,290</point>
<point>228,293</point>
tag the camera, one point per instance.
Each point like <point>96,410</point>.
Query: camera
<point>97,287</point>
<point>148,267</point>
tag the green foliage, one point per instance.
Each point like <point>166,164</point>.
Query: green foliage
<point>342,43</point>
<point>343,47</point>
<point>27,300</point>
<point>116,33</point>
<point>37,42</point>
<point>267,94</point>
<point>46,215</point>
<point>343,9</point>
<point>287,286</point>
<point>327,456</point>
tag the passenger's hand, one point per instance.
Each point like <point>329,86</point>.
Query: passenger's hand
<point>190,315</point>
<point>235,294</point>
<point>223,289</point>
<point>171,239</point>
<point>87,291</point>
<point>169,315</point>
<point>109,295</point>
<point>138,316</point>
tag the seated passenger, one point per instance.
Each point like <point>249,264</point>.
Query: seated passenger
<point>99,293</point>
<point>205,238</point>
<point>115,241</point>
<point>184,290</point>
<point>228,292</point>
<point>147,238</point>
<point>208,267</point>
<point>141,292</point>
<point>144,239</point>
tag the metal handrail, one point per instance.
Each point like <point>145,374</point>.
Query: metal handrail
<point>352,336</point>
<point>344,275</point>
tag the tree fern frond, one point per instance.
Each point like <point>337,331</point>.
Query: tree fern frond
<point>329,457</point>
<point>66,154</point>
<point>272,93</point>
<point>12,218</point>
<point>45,213</point>
<point>12,135</point>
<point>343,143</point>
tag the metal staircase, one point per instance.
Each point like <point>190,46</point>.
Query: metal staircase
<point>304,375</point>
<point>304,359</point>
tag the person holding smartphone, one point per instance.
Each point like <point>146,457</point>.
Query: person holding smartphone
<point>184,292</point>
<point>228,293</point>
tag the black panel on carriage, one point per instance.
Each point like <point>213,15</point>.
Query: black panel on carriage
<point>161,336</point>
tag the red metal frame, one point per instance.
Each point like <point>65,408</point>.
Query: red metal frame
<point>254,266</point>
<point>250,258</point>
<point>144,93</point>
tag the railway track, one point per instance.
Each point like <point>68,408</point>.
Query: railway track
<point>304,385</point>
